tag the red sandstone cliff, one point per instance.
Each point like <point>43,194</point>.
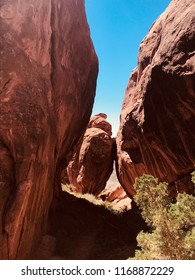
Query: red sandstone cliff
<point>157,131</point>
<point>48,79</point>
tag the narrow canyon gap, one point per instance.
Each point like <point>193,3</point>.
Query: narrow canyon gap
<point>48,80</point>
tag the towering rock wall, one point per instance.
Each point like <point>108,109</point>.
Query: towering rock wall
<point>48,78</point>
<point>157,131</point>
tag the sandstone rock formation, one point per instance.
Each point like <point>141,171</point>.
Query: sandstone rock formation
<point>118,197</point>
<point>48,78</point>
<point>157,131</point>
<point>99,121</point>
<point>92,162</point>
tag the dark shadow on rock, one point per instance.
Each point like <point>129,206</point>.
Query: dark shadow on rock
<point>84,231</point>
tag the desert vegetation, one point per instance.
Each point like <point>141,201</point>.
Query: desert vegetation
<point>172,234</point>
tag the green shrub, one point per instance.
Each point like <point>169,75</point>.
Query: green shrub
<point>193,177</point>
<point>172,235</point>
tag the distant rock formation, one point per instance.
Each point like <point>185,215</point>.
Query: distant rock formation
<point>157,131</point>
<point>118,197</point>
<point>48,79</point>
<point>99,121</point>
<point>92,162</point>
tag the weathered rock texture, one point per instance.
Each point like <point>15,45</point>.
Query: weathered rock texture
<point>99,121</point>
<point>157,131</point>
<point>92,162</point>
<point>48,78</point>
<point>118,197</point>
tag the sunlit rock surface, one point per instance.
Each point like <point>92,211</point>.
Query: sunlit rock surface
<point>92,162</point>
<point>157,131</point>
<point>48,79</point>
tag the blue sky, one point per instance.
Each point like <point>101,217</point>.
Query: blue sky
<point>117,28</point>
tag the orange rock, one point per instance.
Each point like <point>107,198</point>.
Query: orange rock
<point>117,196</point>
<point>92,163</point>
<point>157,131</point>
<point>48,79</point>
<point>99,121</point>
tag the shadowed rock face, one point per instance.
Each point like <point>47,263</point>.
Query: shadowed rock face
<point>48,79</point>
<point>157,131</point>
<point>83,231</point>
<point>92,163</point>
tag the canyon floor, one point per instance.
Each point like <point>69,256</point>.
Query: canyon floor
<point>85,231</point>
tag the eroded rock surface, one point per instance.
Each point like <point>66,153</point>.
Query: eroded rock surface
<point>48,78</point>
<point>92,162</point>
<point>118,197</point>
<point>157,131</point>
